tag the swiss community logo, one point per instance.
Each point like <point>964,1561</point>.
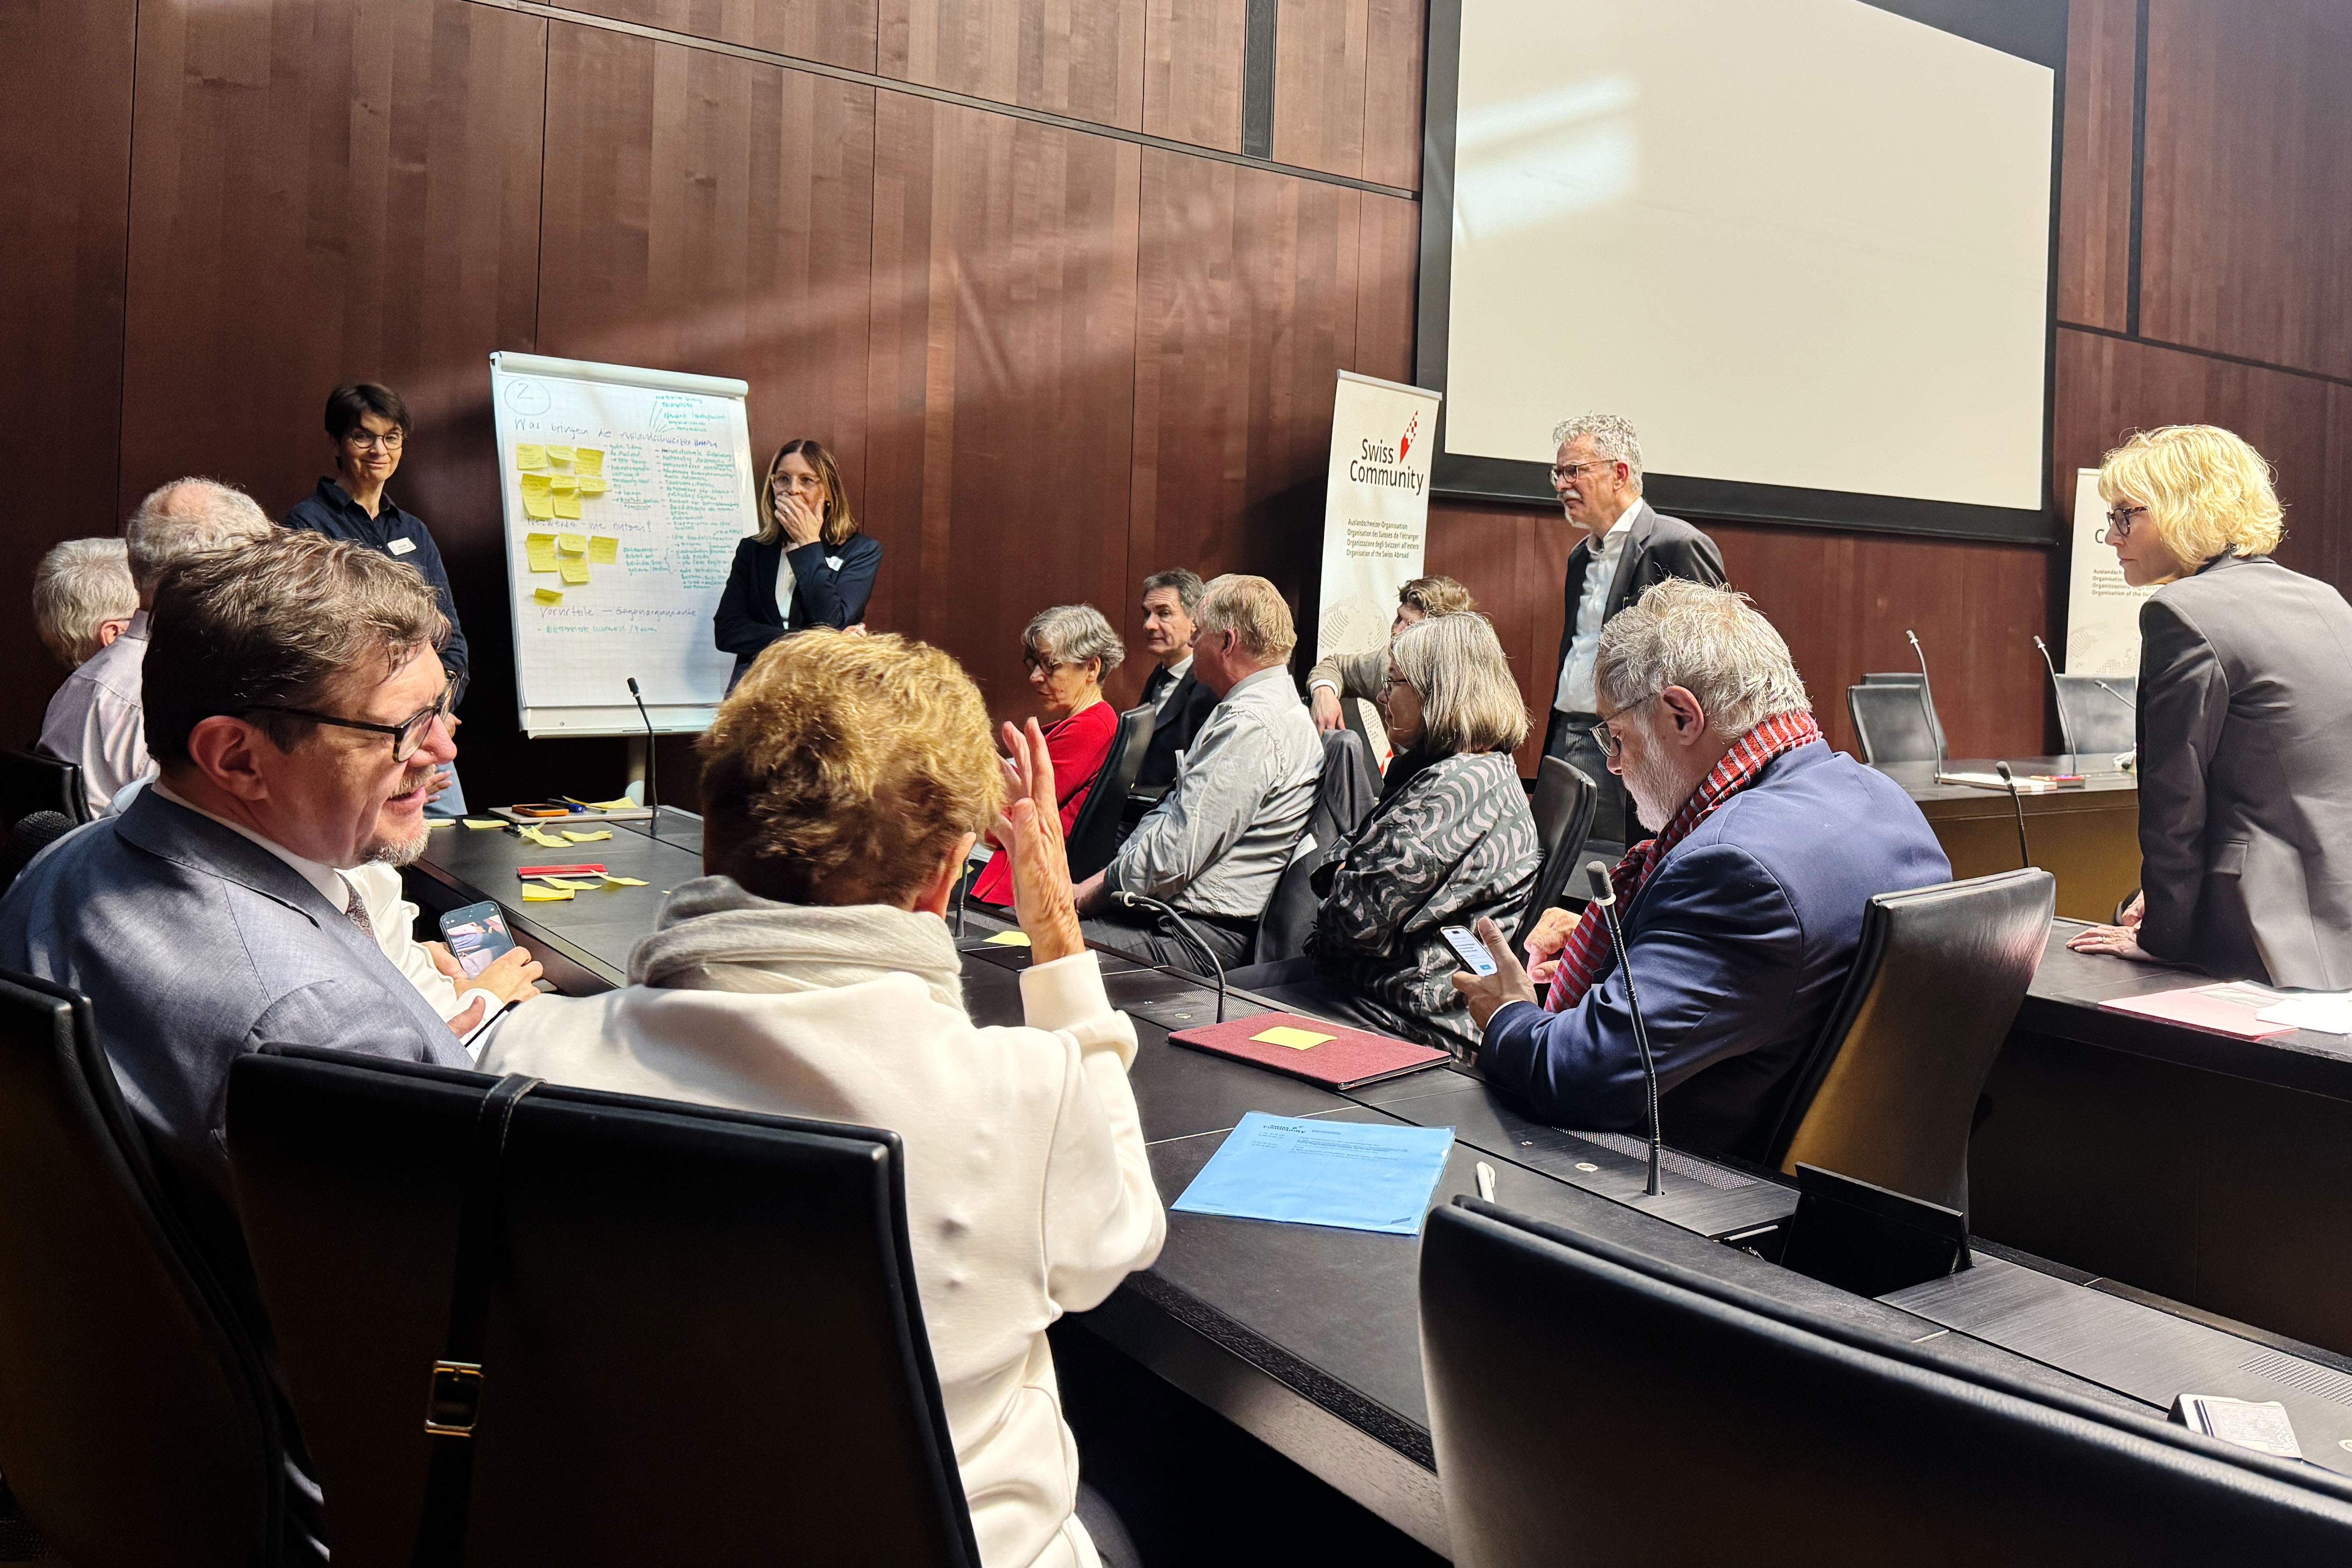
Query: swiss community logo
<point>1405,444</point>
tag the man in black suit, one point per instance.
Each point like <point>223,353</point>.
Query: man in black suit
<point>1628,548</point>
<point>1168,600</point>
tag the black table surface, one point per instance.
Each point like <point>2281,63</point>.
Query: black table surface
<point>1330,1317</point>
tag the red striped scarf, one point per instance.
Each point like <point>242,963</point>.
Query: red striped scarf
<point>1587,957</point>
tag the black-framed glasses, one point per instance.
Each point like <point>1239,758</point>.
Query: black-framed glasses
<point>1570,470</point>
<point>2120,521</point>
<point>406,736</point>
<point>368,441</point>
<point>1611,747</point>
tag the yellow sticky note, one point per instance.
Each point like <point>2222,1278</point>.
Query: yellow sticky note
<point>539,508</point>
<point>588,459</point>
<point>538,541</point>
<point>586,837</point>
<point>549,595</point>
<point>625,881</point>
<point>545,894</point>
<point>567,506</point>
<point>572,544</point>
<point>622,804</point>
<point>559,453</point>
<point>542,841</point>
<point>567,884</point>
<point>604,547</point>
<point>1010,939</point>
<point>562,483</point>
<point>538,485</point>
<point>1296,1039</point>
<point>529,454</point>
<point>592,485</point>
<point>478,823</point>
<point>575,572</point>
<point>545,560</point>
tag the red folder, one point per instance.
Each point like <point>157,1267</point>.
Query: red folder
<point>2213,1009</point>
<point>1343,1058</point>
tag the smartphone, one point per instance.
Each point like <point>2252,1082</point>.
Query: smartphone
<point>1472,952</point>
<point>477,935</point>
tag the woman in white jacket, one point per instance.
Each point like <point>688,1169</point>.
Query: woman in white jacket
<point>810,973</point>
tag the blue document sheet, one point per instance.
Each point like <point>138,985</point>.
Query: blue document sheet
<point>1359,1176</point>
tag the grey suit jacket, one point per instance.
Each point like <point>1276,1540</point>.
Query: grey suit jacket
<point>195,945</point>
<point>2245,765</point>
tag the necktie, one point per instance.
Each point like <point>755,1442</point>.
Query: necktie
<point>357,908</point>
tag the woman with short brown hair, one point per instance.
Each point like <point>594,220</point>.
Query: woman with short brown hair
<point>807,566</point>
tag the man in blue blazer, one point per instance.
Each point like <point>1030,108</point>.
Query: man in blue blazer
<point>298,709</point>
<point>1742,916</point>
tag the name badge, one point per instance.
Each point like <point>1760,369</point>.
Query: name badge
<point>834,562</point>
<point>401,546</point>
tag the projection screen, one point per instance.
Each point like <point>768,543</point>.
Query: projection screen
<point>1806,245</point>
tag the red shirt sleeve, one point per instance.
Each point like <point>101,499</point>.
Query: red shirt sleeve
<point>1079,746</point>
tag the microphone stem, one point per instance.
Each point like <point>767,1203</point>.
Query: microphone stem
<point>1183,932</point>
<point>1641,1039</point>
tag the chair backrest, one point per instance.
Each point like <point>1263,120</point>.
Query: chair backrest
<point>2098,713</point>
<point>31,780</point>
<point>1093,837</point>
<point>1892,722</point>
<point>703,1345</point>
<point>136,1426</point>
<point>1564,804</point>
<point>1591,1403</point>
<point>30,837</point>
<point>1348,790</point>
<point>1888,1092</point>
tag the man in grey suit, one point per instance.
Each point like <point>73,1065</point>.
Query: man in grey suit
<point>297,708</point>
<point>1628,548</point>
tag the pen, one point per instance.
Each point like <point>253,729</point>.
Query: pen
<point>1486,1181</point>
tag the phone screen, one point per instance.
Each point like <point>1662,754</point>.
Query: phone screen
<point>1472,952</point>
<point>477,935</point>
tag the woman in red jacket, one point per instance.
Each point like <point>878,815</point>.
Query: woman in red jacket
<point>1069,649</point>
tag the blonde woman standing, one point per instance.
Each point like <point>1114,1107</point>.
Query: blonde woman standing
<point>2245,723</point>
<point>807,566</point>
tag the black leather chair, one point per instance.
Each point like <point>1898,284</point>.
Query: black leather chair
<point>31,780</point>
<point>1888,1094</point>
<point>703,1344</point>
<point>1350,788</point>
<point>2097,713</point>
<point>1591,1403</point>
<point>1093,839</point>
<point>136,1424</point>
<point>1894,723</point>
<point>1564,804</point>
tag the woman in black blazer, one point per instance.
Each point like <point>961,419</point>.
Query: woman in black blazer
<point>808,558</point>
<point>2245,723</point>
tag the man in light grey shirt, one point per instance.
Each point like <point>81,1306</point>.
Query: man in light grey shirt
<point>1216,847</point>
<point>97,718</point>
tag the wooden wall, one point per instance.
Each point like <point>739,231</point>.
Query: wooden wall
<point>1005,257</point>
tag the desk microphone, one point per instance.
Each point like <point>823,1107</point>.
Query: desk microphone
<point>2024,856</point>
<point>1605,893</point>
<point>1182,930</point>
<point>1927,696</point>
<point>2064,724</point>
<point>653,826</point>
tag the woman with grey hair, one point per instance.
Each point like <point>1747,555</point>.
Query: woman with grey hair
<point>1452,841</point>
<point>1069,649</point>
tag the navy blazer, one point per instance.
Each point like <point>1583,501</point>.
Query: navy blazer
<point>329,510</point>
<point>749,617</point>
<point>195,945</point>
<point>1740,942</point>
<point>1189,708</point>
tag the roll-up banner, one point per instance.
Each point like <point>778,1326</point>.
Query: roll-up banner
<point>1375,512</point>
<point>2101,608</point>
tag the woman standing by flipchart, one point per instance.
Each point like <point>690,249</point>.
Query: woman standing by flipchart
<point>807,566</point>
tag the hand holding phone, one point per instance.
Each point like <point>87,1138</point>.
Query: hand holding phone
<point>477,935</point>
<point>1469,950</point>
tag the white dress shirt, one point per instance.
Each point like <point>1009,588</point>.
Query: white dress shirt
<point>96,719</point>
<point>1575,692</point>
<point>1176,673</point>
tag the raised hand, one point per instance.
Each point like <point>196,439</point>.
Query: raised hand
<point>1031,830</point>
<point>803,523</point>
<point>1544,943</point>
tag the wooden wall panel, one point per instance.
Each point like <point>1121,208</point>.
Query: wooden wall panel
<point>2095,187</point>
<point>1248,308</point>
<point>2247,212</point>
<point>1513,560</point>
<point>1320,85</point>
<point>1084,58</point>
<point>1003,383</point>
<point>1395,33</point>
<point>65,213</point>
<point>1387,269</point>
<point>837,32</point>
<point>1194,53</point>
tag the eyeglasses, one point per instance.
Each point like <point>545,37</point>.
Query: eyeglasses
<point>1611,747</point>
<point>406,736</point>
<point>2120,521</point>
<point>368,441</point>
<point>1567,471</point>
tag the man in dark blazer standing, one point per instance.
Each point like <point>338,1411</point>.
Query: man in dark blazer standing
<point>1629,548</point>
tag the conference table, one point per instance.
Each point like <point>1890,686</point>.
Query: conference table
<point>2088,837</point>
<point>1308,1338</point>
